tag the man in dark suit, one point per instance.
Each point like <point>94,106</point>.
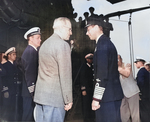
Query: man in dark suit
<point>143,83</point>
<point>2,73</point>
<point>147,66</point>
<point>108,92</point>
<point>30,66</point>
<point>87,88</point>
<point>11,83</point>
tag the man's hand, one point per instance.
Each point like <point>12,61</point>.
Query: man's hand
<point>128,65</point>
<point>68,106</point>
<point>95,105</point>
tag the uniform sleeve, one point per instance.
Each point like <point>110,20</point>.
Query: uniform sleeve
<point>101,71</point>
<point>2,70</point>
<point>83,78</point>
<point>3,86</point>
<point>140,78</point>
<point>30,71</point>
<point>65,71</point>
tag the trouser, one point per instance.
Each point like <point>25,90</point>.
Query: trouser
<point>109,112</point>
<point>8,108</point>
<point>88,113</point>
<point>45,113</point>
<point>145,110</point>
<point>28,107</point>
<point>130,108</point>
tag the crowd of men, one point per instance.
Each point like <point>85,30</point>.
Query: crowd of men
<point>43,76</point>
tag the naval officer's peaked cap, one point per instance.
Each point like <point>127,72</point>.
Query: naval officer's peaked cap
<point>94,21</point>
<point>32,31</point>
<point>10,50</point>
<point>139,59</point>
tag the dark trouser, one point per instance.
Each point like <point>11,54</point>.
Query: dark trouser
<point>144,110</point>
<point>11,108</point>
<point>109,112</point>
<point>0,106</point>
<point>88,113</point>
<point>28,107</point>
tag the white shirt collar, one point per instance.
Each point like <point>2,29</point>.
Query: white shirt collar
<point>10,61</point>
<point>98,37</point>
<point>88,64</point>
<point>33,47</point>
<point>141,67</point>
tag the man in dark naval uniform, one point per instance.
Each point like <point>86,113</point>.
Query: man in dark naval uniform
<point>143,83</point>
<point>87,88</point>
<point>2,73</point>
<point>29,60</point>
<point>108,92</point>
<point>11,82</point>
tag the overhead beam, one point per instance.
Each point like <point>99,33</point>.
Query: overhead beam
<point>115,1</point>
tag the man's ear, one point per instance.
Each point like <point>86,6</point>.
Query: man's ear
<point>8,55</point>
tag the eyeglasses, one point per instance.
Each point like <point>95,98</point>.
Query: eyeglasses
<point>89,28</point>
<point>70,29</point>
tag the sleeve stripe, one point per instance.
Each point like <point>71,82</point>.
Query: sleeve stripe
<point>98,92</point>
<point>4,89</point>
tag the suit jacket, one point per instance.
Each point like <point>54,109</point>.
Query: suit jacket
<point>54,83</point>
<point>29,60</point>
<point>106,70</point>
<point>143,83</point>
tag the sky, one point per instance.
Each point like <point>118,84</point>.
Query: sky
<point>140,25</point>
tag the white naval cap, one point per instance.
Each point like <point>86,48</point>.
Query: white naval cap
<point>139,59</point>
<point>147,63</point>
<point>89,56</point>
<point>10,50</point>
<point>32,31</point>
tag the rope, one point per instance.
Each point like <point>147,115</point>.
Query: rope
<point>131,46</point>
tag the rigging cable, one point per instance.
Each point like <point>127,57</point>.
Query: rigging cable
<point>131,46</point>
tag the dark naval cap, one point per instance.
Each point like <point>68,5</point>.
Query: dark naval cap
<point>139,59</point>
<point>32,31</point>
<point>94,21</point>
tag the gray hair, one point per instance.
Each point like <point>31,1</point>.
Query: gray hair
<point>59,22</point>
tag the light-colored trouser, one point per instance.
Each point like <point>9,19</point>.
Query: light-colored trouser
<point>130,108</point>
<point>44,113</point>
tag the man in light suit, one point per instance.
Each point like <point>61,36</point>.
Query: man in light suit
<point>130,102</point>
<point>108,92</point>
<point>53,93</point>
<point>29,60</point>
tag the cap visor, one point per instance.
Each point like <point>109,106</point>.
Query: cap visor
<point>87,25</point>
